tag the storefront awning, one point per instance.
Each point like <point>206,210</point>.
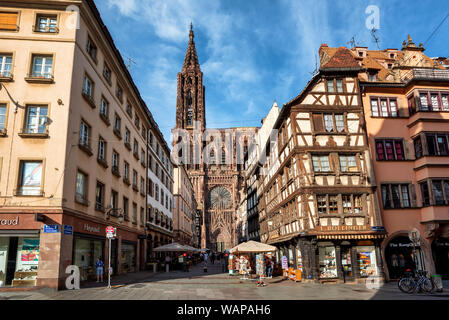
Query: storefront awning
<point>19,233</point>
<point>351,236</point>
<point>283,239</point>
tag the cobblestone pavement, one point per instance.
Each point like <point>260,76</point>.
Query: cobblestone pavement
<point>197,285</point>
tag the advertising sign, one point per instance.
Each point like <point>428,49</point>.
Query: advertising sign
<point>284,263</point>
<point>30,251</point>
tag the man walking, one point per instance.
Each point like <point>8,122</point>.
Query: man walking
<point>212,257</point>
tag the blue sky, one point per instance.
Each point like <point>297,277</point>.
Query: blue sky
<point>255,51</point>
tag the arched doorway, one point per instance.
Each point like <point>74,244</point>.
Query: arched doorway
<point>440,252</point>
<point>399,256</point>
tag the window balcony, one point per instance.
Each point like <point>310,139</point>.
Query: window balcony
<point>89,99</point>
<point>81,199</point>
<point>105,119</point>
<point>115,171</point>
<point>126,181</point>
<point>6,76</point>
<point>34,132</point>
<point>117,133</point>
<point>136,155</point>
<point>29,192</point>
<point>103,162</point>
<point>84,145</point>
<point>45,29</point>
<point>39,77</point>
<point>128,145</point>
<point>135,188</point>
<point>100,207</point>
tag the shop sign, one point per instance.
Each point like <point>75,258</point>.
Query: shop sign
<point>378,228</point>
<point>68,230</point>
<point>9,222</point>
<point>344,228</point>
<point>52,228</point>
<point>91,229</point>
<point>400,245</point>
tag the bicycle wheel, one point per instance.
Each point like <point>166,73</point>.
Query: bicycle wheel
<point>406,285</point>
<point>427,285</point>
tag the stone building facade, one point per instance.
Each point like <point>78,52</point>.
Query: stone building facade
<point>213,157</point>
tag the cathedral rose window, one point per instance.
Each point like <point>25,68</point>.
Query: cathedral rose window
<point>219,198</point>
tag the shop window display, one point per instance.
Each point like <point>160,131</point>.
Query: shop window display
<point>24,251</point>
<point>4,244</point>
<point>128,258</point>
<point>87,252</point>
<point>328,263</point>
<point>366,257</point>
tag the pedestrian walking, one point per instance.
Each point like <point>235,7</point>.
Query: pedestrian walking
<point>99,265</point>
<point>212,258</point>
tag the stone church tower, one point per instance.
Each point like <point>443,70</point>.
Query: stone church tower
<point>217,179</point>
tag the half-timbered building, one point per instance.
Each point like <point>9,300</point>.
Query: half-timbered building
<point>319,205</point>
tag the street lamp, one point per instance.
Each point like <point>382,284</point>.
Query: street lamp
<point>118,212</point>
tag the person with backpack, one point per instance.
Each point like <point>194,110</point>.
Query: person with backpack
<point>99,265</point>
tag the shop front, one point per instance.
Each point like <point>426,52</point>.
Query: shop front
<point>20,249</point>
<point>128,257</point>
<point>399,256</point>
<point>86,250</point>
<point>440,252</point>
<point>19,257</point>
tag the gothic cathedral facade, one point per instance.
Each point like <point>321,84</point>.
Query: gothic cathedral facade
<point>214,158</point>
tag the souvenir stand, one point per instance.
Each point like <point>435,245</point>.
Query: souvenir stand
<point>253,247</point>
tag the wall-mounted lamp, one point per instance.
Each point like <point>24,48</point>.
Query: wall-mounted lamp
<point>116,212</point>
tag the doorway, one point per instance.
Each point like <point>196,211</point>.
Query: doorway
<point>346,263</point>
<point>440,251</point>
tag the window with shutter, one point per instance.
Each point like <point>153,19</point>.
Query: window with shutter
<point>318,122</point>
<point>8,21</point>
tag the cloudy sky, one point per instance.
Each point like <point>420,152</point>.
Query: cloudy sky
<point>255,51</point>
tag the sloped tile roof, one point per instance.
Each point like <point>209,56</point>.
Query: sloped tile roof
<point>342,58</point>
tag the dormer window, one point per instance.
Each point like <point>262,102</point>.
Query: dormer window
<point>360,54</point>
<point>391,55</point>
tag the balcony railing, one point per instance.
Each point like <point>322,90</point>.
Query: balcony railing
<point>6,75</point>
<point>40,77</point>
<point>426,74</point>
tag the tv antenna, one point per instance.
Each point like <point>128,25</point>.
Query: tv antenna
<point>375,37</point>
<point>130,63</point>
<point>352,42</point>
<point>314,72</point>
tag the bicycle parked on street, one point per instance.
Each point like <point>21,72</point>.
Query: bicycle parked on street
<point>419,283</point>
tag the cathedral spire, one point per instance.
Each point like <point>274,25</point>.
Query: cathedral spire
<point>191,59</point>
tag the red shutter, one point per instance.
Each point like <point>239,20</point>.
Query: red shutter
<point>380,150</point>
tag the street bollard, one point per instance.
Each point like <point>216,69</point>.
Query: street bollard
<point>167,267</point>
<point>154,267</point>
